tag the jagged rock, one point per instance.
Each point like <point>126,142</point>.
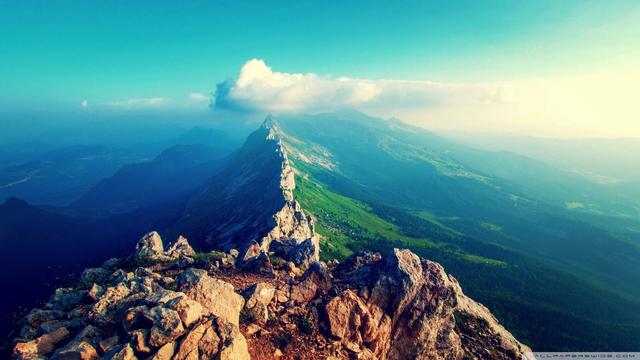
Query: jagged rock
<point>43,345</point>
<point>101,311</point>
<point>64,299</point>
<point>106,345</point>
<point>251,250</point>
<point>316,279</point>
<point>165,352</point>
<point>123,353</point>
<point>150,247</point>
<point>349,319</point>
<point>110,264</point>
<point>235,348</point>
<point>94,275</point>
<point>189,344</point>
<point>258,297</point>
<point>77,350</point>
<point>259,264</point>
<point>189,310</point>
<point>161,296</point>
<point>304,253</point>
<point>139,339</point>
<point>410,313</point>
<point>95,292</point>
<point>209,343</point>
<point>137,317</point>
<point>181,249</point>
<point>167,326</point>
<point>216,296</point>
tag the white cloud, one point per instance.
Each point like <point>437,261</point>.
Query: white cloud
<point>84,104</point>
<point>595,104</point>
<point>135,103</point>
<point>198,98</point>
<point>257,87</point>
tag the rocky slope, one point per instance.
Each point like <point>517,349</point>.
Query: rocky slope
<point>250,205</point>
<point>176,304</point>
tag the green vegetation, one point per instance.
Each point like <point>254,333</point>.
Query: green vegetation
<point>347,225</point>
<point>206,258</point>
<point>209,256</point>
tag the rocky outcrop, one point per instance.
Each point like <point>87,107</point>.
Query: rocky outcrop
<point>165,305</point>
<point>164,310</point>
<point>251,204</point>
<point>409,308</point>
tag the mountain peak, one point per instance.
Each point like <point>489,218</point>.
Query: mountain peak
<point>271,124</point>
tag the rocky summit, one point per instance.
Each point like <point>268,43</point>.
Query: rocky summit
<point>179,304</point>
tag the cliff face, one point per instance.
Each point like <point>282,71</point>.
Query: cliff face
<point>251,203</point>
<point>177,304</point>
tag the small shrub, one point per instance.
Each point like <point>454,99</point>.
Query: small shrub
<point>247,316</point>
<point>306,325</point>
<point>272,321</point>
<point>277,261</point>
<point>283,339</point>
<point>206,258</point>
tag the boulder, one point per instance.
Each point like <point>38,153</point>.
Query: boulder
<point>63,299</point>
<point>349,319</point>
<point>150,247</point>
<point>123,353</point>
<point>108,344</point>
<point>304,253</point>
<point>235,348</point>
<point>102,311</point>
<point>94,275</point>
<point>181,249</point>
<point>165,352</point>
<point>209,343</point>
<point>258,297</point>
<point>189,345</point>
<point>166,328</point>
<point>189,310</point>
<point>216,296</point>
<point>77,350</point>
<point>41,346</point>
<point>139,339</point>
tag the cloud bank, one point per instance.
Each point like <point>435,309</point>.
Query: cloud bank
<point>258,87</point>
<point>596,104</point>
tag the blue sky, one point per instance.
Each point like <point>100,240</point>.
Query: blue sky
<point>55,54</point>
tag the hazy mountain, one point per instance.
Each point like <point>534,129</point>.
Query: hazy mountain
<point>602,160</point>
<point>55,175</point>
<point>60,176</point>
<point>174,173</point>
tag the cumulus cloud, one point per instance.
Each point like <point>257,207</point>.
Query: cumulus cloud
<point>258,87</point>
<point>135,103</point>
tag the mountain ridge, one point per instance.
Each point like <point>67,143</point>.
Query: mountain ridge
<point>257,193</point>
